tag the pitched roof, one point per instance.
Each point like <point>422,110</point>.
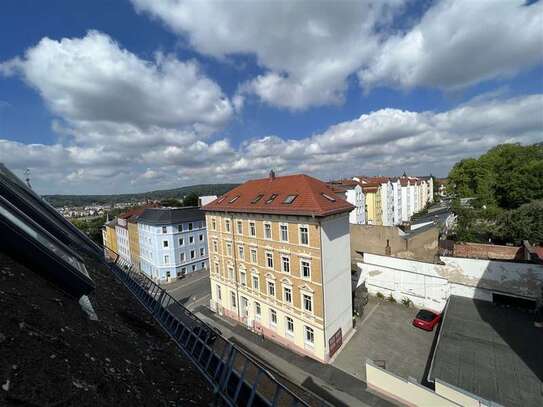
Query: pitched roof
<point>170,216</point>
<point>309,195</point>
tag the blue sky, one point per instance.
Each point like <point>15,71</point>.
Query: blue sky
<point>125,96</point>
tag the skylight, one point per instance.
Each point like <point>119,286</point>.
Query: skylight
<point>234,199</point>
<point>222,198</point>
<point>271,198</point>
<point>330,198</point>
<point>289,199</point>
<point>257,198</point>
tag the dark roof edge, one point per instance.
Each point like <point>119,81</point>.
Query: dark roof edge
<point>280,212</point>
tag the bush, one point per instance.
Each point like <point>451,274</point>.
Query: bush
<point>390,298</point>
<point>380,295</point>
<point>406,302</point>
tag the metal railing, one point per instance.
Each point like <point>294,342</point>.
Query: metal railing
<point>237,378</point>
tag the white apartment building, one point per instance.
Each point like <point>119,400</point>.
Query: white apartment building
<point>123,241</point>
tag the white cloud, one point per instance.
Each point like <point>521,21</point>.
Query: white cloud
<point>309,49</point>
<point>386,141</point>
<point>93,80</point>
<point>461,42</point>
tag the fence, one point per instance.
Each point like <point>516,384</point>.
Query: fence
<point>237,379</point>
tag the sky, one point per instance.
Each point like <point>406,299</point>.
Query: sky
<point>119,96</point>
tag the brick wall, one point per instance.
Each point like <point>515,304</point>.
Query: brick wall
<point>488,251</point>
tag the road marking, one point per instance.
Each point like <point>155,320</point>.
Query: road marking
<point>186,285</point>
<point>369,315</point>
<point>191,305</point>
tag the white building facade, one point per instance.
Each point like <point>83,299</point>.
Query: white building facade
<point>173,242</point>
<point>123,242</point>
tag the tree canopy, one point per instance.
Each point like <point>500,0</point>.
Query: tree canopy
<point>507,182</point>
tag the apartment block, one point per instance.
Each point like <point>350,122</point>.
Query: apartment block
<point>172,242</point>
<point>280,262</point>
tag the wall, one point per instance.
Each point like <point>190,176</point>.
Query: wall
<point>336,274</point>
<point>422,245</point>
<point>411,393</point>
<point>429,285</point>
<point>488,251</point>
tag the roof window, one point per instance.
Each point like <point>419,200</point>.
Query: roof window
<point>271,198</point>
<point>330,198</point>
<point>234,199</point>
<point>289,199</point>
<point>257,198</point>
<point>222,198</point>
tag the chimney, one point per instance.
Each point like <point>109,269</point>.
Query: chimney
<point>272,175</point>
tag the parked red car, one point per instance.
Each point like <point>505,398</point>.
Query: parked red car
<point>426,319</point>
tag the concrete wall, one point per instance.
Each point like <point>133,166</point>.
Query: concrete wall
<point>411,393</point>
<point>429,285</point>
<point>488,251</point>
<point>336,274</point>
<point>373,239</point>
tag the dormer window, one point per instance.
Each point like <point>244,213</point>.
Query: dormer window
<point>271,198</point>
<point>234,199</point>
<point>257,198</point>
<point>330,198</point>
<point>289,199</point>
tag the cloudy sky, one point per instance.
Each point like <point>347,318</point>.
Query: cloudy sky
<point>132,95</point>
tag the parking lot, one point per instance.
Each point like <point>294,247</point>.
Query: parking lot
<point>192,291</point>
<point>385,335</point>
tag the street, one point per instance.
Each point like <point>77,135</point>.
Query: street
<point>192,291</point>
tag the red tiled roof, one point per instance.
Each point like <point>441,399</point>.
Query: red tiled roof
<point>310,197</point>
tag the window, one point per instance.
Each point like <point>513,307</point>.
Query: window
<point>241,252</point>
<point>271,198</point>
<point>243,278</point>
<point>164,243</point>
<point>215,246</point>
<point>305,265</point>
<point>289,199</point>
<point>233,299</point>
<point>234,199</point>
<point>217,268</point>
<point>164,229</point>
<point>202,265</point>
<point>271,288</point>
<point>289,325</point>
<point>258,311</point>
<point>191,239</point>
<point>240,227</point>
<point>229,249</point>
<point>213,224</point>
<point>252,229</point>
<point>304,235</point>
<point>201,237</point>
<point>222,198</point>
<point>181,241</point>
<point>183,270</point>
<point>257,198</point>
<point>168,274</point>
<point>192,254</point>
<point>179,228</point>
<point>288,294</point>
<point>231,273</point>
<point>190,226</point>
<point>273,317</point>
<point>219,295</point>
<point>166,259</point>
<point>285,264</point>
<point>267,231</point>
<point>269,260</point>
<point>255,282</point>
<point>202,251</point>
<point>330,198</point>
<point>253,256</point>
<point>227,225</point>
<point>308,302</point>
<point>181,257</point>
<point>284,233</point>
<point>309,335</point>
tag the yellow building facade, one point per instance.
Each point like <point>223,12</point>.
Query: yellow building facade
<point>373,205</point>
<point>134,243</point>
<point>109,236</point>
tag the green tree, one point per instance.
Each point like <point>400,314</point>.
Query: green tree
<point>523,223</point>
<point>170,202</point>
<point>190,200</point>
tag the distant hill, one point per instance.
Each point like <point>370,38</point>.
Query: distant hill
<point>176,193</point>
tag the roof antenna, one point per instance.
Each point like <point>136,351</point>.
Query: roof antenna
<point>27,178</point>
<point>272,174</point>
